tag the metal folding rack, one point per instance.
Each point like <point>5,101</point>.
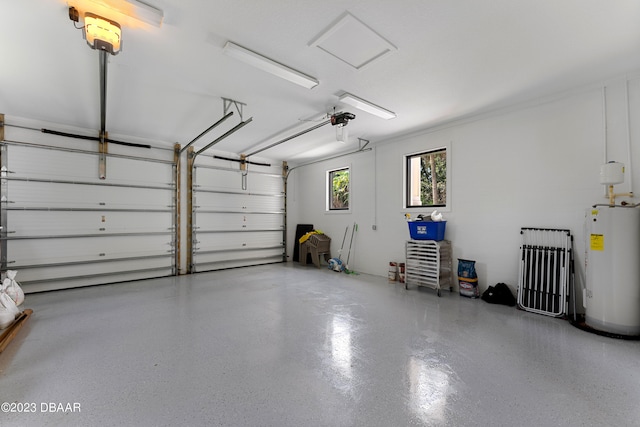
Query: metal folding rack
<point>545,271</point>
<point>428,263</point>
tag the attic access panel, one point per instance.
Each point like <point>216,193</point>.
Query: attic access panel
<point>353,42</point>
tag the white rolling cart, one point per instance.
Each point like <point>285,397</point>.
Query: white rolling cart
<point>428,263</point>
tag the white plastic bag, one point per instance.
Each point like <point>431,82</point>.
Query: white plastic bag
<point>12,288</point>
<point>8,304</point>
<point>6,317</point>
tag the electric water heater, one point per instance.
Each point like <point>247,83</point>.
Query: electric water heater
<point>612,293</point>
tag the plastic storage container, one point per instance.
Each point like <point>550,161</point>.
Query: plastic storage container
<point>427,230</point>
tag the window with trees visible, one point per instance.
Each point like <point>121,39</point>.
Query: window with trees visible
<point>338,189</point>
<point>426,179</point>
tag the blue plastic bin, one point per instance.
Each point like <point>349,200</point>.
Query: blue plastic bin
<point>427,230</point>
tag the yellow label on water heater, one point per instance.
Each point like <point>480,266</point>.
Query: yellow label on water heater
<point>597,242</point>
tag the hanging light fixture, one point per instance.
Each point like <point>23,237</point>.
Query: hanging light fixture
<point>102,33</point>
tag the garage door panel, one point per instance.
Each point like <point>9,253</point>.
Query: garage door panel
<point>221,260</point>
<point>31,194</point>
<point>217,179</point>
<point>30,162</point>
<point>45,251</point>
<point>265,184</point>
<point>238,202</point>
<point>98,279</point>
<point>232,181</point>
<point>131,171</point>
<point>233,221</point>
<point>238,240</point>
<point>55,273</point>
<point>36,223</point>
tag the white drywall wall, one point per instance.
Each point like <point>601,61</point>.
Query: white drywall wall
<point>532,166</point>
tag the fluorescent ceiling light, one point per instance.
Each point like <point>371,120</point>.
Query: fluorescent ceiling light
<point>370,108</point>
<point>269,65</point>
<point>102,34</point>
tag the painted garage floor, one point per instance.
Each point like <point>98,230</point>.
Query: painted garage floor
<point>286,345</point>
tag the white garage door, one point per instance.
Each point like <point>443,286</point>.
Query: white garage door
<point>238,216</point>
<point>64,227</point>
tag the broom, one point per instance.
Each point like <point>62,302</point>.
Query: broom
<point>353,230</point>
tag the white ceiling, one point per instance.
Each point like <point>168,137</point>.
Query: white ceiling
<point>453,59</point>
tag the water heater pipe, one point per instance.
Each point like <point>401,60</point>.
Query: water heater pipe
<point>612,196</point>
<point>604,128</point>
<point>630,159</point>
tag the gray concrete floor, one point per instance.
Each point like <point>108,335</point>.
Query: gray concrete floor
<point>285,345</point>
